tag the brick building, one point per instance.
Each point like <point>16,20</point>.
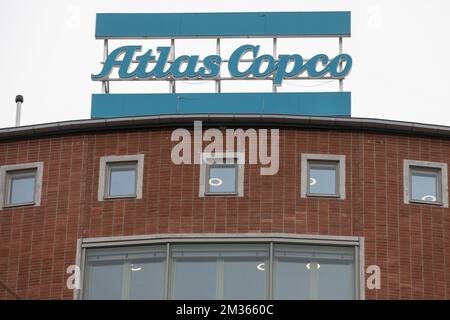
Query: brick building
<point>278,237</point>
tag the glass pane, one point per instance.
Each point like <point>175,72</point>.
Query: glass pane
<point>147,279</point>
<point>336,280</point>
<point>314,272</point>
<point>194,279</point>
<point>140,269</point>
<point>222,179</point>
<point>245,279</point>
<point>122,181</point>
<point>105,280</point>
<point>322,179</point>
<point>424,186</point>
<point>22,189</point>
<point>292,279</point>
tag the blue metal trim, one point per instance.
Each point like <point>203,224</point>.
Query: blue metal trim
<point>292,103</point>
<point>219,25</point>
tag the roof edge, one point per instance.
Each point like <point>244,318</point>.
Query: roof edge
<point>95,125</point>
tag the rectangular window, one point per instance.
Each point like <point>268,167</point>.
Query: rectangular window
<point>425,182</point>
<point>221,178</point>
<point>212,271</point>
<point>126,273</point>
<point>222,175</point>
<point>243,271</point>
<point>121,179</point>
<point>322,175</point>
<point>21,187</point>
<point>21,184</point>
<point>314,272</point>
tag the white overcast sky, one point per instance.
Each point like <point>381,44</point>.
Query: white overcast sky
<point>400,53</point>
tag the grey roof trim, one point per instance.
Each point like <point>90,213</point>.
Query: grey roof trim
<point>94,125</point>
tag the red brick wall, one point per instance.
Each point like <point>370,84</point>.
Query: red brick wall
<point>411,243</point>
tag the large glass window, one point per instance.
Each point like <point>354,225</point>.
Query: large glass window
<point>126,273</point>
<point>314,272</point>
<point>221,271</point>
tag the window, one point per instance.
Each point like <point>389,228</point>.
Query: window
<point>314,272</point>
<point>21,184</point>
<point>242,269</point>
<point>425,182</point>
<point>322,175</point>
<point>221,271</point>
<point>121,177</point>
<point>221,175</point>
<point>126,273</point>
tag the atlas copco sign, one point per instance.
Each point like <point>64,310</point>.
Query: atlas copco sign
<point>186,67</point>
<point>132,62</point>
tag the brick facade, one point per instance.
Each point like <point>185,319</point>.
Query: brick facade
<point>410,242</point>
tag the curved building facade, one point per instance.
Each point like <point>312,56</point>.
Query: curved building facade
<point>352,199</point>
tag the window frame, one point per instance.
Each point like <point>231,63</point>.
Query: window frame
<point>225,164</point>
<point>110,166</point>
<point>104,180</point>
<point>228,159</point>
<point>6,176</point>
<point>411,166</point>
<point>306,159</point>
<point>357,243</point>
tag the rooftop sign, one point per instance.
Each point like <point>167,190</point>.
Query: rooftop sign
<point>133,62</point>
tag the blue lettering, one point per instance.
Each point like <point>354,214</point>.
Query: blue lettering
<point>256,66</point>
<point>311,66</point>
<point>189,72</point>
<point>235,58</point>
<point>158,71</point>
<point>141,70</point>
<point>185,66</point>
<point>113,61</point>
<point>283,62</point>
<point>212,64</point>
<point>333,67</point>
